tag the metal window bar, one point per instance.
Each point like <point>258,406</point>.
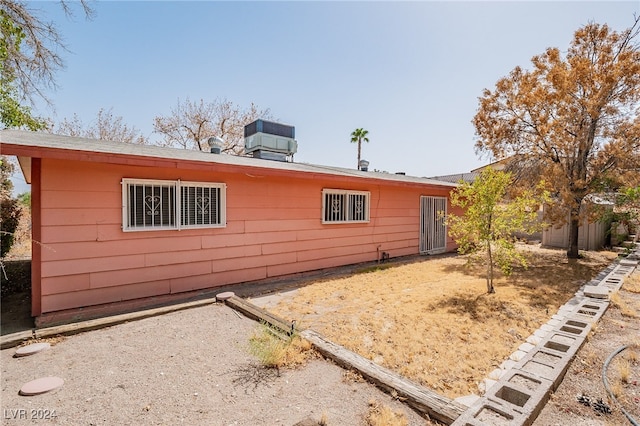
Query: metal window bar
<point>345,206</point>
<point>439,226</point>
<point>335,209</point>
<point>425,225</point>
<point>357,207</point>
<point>433,233</point>
<point>200,206</point>
<point>215,206</point>
<point>151,206</point>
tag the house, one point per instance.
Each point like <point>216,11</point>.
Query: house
<point>114,222</point>
<point>458,177</point>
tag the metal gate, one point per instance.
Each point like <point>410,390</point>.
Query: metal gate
<point>433,231</point>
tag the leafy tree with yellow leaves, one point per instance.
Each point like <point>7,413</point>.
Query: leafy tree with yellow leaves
<point>573,118</point>
<point>491,218</point>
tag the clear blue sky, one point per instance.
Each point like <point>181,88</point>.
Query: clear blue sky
<point>408,72</point>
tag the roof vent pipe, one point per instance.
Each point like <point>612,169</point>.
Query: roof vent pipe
<point>363,165</point>
<point>215,144</point>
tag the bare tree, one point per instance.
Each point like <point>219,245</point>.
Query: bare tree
<point>191,123</point>
<point>31,54</point>
<point>105,127</point>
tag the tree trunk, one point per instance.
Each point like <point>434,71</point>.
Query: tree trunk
<point>572,249</point>
<point>490,288</point>
<point>359,150</point>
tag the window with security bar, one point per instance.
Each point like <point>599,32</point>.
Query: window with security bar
<point>158,205</point>
<point>200,205</point>
<point>344,206</point>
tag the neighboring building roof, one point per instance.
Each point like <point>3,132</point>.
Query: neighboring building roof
<point>37,144</point>
<point>496,165</point>
<point>456,178</point>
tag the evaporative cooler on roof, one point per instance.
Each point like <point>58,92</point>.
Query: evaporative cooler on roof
<point>269,140</point>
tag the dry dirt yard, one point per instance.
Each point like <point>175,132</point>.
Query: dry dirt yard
<point>427,318</point>
<point>190,367</point>
<point>431,320</point>
<point>620,326</point>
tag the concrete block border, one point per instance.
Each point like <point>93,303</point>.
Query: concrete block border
<point>525,381</point>
<point>517,397</point>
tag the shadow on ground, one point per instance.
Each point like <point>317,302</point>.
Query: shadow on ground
<point>16,313</point>
<point>15,279</point>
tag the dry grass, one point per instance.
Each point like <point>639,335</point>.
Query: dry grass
<point>21,247</point>
<point>617,389</point>
<point>632,283</point>
<point>624,370</point>
<point>298,352</point>
<point>381,415</point>
<point>432,321</point>
<point>627,309</point>
<point>53,340</point>
<point>323,420</point>
<point>624,376</point>
<point>352,376</point>
<point>595,329</point>
<point>632,353</point>
<point>587,360</point>
<point>274,350</point>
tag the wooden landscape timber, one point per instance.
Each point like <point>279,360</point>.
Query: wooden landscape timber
<point>258,314</point>
<point>421,399</point>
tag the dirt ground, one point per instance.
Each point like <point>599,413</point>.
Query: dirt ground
<point>193,367</point>
<point>188,367</point>
<point>398,315</point>
<point>584,376</point>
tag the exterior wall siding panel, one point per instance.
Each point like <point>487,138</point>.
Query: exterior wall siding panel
<point>78,199</point>
<point>274,227</point>
<point>79,216</point>
<point>81,266</point>
<point>328,262</point>
<point>122,277</point>
<point>66,284</point>
<point>89,249</point>
<point>62,301</point>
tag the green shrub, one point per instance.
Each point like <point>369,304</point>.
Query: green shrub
<point>25,199</point>
<point>9,217</point>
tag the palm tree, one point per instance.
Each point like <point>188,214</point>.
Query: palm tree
<point>359,135</point>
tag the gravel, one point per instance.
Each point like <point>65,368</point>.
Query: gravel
<point>193,367</point>
<point>186,367</point>
<point>584,376</point>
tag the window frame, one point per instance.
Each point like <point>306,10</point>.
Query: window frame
<point>221,207</point>
<point>346,209</point>
<point>177,186</point>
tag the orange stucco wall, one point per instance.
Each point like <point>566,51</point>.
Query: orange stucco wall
<point>273,228</point>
